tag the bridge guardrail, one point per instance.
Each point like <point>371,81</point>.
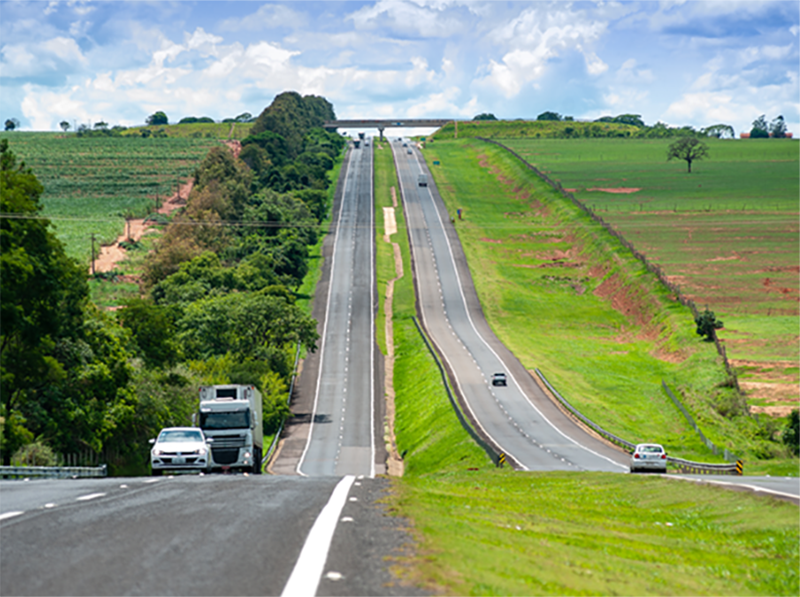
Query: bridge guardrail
<point>684,466</point>
<point>54,472</point>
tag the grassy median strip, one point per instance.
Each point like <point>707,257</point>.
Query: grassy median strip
<point>505,533</point>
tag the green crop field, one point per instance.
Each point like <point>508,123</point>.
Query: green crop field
<point>727,234</point>
<point>91,183</point>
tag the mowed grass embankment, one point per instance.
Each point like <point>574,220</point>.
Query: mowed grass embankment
<point>92,183</point>
<point>567,297</point>
<point>727,233</point>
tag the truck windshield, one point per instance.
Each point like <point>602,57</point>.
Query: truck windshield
<point>225,420</point>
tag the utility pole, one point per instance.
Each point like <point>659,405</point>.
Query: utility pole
<point>93,272</point>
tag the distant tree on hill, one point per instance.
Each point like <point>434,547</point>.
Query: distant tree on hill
<point>195,119</point>
<point>760,128</point>
<point>157,118</point>
<point>64,125</point>
<point>778,128</point>
<point>549,116</point>
<point>101,125</point>
<point>707,325</point>
<point>688,149</point>
<point>244,117</point>
<point>720,131</point>
<point>12,124</point>
<point>485,116</point>
<point>632,119</point>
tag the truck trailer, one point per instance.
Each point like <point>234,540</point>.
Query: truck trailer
<point>230,417</point>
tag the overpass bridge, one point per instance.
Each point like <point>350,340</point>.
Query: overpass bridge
<point>385,123</point>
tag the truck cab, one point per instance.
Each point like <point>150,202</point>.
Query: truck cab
<point>230,415</point>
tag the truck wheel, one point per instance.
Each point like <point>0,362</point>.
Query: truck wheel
<point>257,461</point>
<point>156,472</point>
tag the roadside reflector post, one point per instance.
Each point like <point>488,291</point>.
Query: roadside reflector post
<point>501,460</point>
<point>739,467</point>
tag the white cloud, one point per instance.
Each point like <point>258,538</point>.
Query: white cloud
<point>50,57</point>
<point>268,16</point>
<point>423,19</point>
<point>535,37</point>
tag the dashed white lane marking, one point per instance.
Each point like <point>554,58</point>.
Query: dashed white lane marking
<point>6,515</point>
<point>305,577</point>
<point>90,496</point>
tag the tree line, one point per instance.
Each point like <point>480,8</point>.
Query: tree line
<point>218,302</point>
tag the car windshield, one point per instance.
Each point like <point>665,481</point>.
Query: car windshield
<point>180,435</point>
<point>239,419</point>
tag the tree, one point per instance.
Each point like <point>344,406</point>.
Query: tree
<point>44,294</point>
<point>549,116</point>
<point>707,325</point>
<point>12,124</point>
<point>485,116</point>
<point>64,125</point>
<point>791,435</point>
<point>244,117</point>
<point>688,149</point>
<point>760,128</point>
<point>720,131</point>
<point>157,119</point>
<point>778,128</point>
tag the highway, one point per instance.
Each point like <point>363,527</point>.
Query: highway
<point>193,535</point>
<point>519,420</point>
<point>341,434</point>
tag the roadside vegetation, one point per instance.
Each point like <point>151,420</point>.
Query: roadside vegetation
<point>210,299</point>
<point>727,234</point>
<point>488,531</point>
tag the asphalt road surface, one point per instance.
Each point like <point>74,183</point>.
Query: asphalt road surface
<point>196,535</point>
<point>519,419</point>
<point>341,436</point>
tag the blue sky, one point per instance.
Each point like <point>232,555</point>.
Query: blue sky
<point>678,62</point>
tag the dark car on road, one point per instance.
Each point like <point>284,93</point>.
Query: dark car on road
<point>499,379</point>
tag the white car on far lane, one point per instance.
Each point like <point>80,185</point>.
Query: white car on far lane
<point>649,457</point>
<point>179,448</point>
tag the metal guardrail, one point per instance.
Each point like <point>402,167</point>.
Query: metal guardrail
<point>684,466</point>
<point>727,455</point>
<point>53,472</point>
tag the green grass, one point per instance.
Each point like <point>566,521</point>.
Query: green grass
<point>727,234</point>
<point>505,533</point>
<point>91,183</point>
<point>197,130</point>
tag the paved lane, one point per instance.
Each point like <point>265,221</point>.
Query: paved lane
<point>341,439</point>
<point>519,419</point>
<point>193,535</point>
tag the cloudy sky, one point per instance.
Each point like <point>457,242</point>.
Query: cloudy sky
<point>679,62</point>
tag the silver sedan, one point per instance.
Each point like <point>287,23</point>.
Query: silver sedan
<point>649,457</point>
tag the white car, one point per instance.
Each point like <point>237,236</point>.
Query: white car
<point>179,448</point>
<point>649,457</point>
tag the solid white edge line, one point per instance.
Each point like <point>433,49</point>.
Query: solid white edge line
<point>305,577</point>
<point>324,326</point>
<point>12,514</point>
<point>475,329</point>
<point>730,484</point>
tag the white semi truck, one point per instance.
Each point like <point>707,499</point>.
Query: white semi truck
<point>230,417</point>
